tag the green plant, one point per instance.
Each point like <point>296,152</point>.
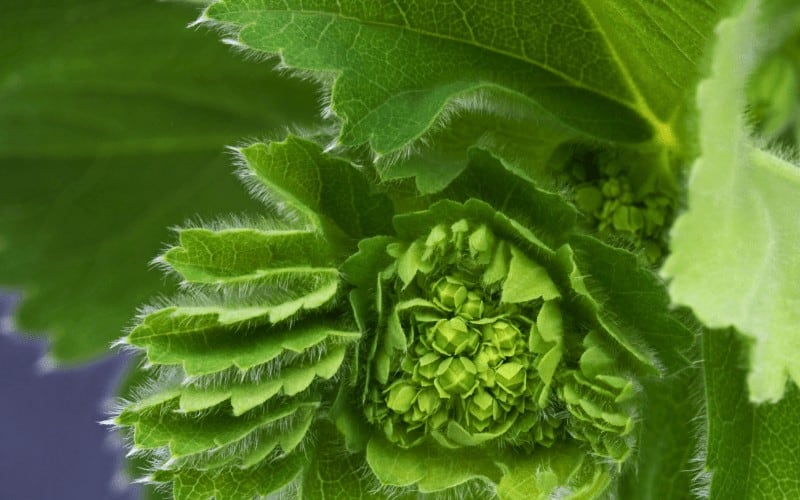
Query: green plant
<point>528,253</point>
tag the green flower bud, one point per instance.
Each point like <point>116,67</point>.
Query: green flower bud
<point>488,356</point>
<point>453,337</point>
<point>482,410</point>
<point>502,335</point>
<point>401,396</point>
<point>455,376</point>
<point>450,293</point>
<point>472,308</point>
<point>424,369</point>
<point>428,401</point>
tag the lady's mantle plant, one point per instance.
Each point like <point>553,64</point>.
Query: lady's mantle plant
<point>463,308</point>
<point>474,331</point>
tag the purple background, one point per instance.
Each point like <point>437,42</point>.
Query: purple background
<point>51,445</point>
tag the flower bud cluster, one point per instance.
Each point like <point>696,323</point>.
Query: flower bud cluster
<point>473,366</point>
<point>604,193</point>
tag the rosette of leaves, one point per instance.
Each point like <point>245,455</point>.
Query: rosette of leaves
<point>471,341</point>
<point>242,367</point>
<point>495,338</point>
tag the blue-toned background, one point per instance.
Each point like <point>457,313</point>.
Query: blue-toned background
<point>51,445</point>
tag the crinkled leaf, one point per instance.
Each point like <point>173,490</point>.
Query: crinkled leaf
<point>233,483</point>
<point>525,145</point>
<point>632,304</point>
<point>329,192</point>
<point>545,214</point>
<point>567,472</point>
<point>252,256</point>
<point>735,258</point>
<point>247,394</point>
<point>185,434</point>
<point>113,119</point>
<point>631,91</point>
<point>204,345</point>
<point>428,466</point>
<point>752,450</point>
<point>335,474</point>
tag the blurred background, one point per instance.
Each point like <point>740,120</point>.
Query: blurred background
<point>52,447</point>
<point>114,117</point>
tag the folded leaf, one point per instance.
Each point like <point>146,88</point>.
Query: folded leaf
<point>752,450</point>
<point>112,128</point>
<point>204,345</point>
<point>328,192</point>
<point>249,256</point>
<point>387,96</point>
<point>734,254</point>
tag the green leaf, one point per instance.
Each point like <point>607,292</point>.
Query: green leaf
<point>233,483</point>
<point>335,474</point>
<point>752,450</point>
<point>486,178</point>
<point>631,303</point>
<point>190,433</point>
<point>567,473</point>
<point>329,192</point>
<point>247,394</point>
<point>525,145</point>
<point>113,119</point>
<point>428,466</point>
<point>400,64</point>
<point>665,462</point>
<point>204,344</point>
<point>252,256</point>
<point>734,254</point>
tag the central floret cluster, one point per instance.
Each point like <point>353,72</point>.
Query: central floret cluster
<point>479,362</point>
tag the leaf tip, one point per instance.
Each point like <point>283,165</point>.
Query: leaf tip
<point>203,18</point>
<point>233,42</point>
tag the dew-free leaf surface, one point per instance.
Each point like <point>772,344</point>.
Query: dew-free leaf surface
<point>735,256</point>
<point>399,64</point>
<point>113,123</point>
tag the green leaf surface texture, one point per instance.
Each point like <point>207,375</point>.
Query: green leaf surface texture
<point>537,259</point>
<point>743,203</point>
<point>113,121</point>
<point>752,450</point>
<point>331,193</point>
<point>243,359</point>
<point>399,64</point>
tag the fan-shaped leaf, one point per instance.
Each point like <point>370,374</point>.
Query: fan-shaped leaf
<point>401,63</point>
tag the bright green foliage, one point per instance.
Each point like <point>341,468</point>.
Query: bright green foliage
<point>489,342</point>
<point>627,85</point>
<point>246,351</point>
<point>486,338</point>
<point>112,128</point>
<point>545,474</point>
<point>743,202</point>
<point>622,198</point>
<point>765,434</point>
<point>522,143</point>
<point>456,298</point>
<point>329,192</point>
<point>239,256</point>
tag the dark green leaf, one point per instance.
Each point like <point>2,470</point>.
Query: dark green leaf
<point>329,192</point>
<point>113,118</point>
<point>752,450</point>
